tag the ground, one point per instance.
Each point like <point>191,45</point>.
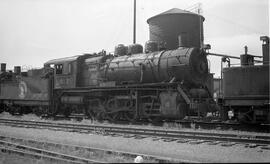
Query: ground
<point>184,151</point>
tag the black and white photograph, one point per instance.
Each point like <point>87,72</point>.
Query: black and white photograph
<point>134,81</point>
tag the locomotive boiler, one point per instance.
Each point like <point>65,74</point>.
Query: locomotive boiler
<point>187,65</point>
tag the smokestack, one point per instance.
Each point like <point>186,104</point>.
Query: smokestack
<point>265,49</point>
<point>3,67</point>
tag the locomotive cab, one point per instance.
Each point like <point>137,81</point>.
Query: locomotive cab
<point>65,72</point>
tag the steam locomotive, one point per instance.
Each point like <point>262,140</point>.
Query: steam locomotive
<point>167,84</point>
<point>170,80</point>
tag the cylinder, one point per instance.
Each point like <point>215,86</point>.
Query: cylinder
<point>168,26</point>
<point>3,67</point>
<point>17,70</point>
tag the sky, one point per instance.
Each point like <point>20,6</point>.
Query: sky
<point>35,31</point>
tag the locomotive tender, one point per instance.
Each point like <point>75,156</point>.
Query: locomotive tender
<point>246,88</point>
<point>169,80</point>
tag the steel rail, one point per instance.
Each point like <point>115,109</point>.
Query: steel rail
<point>44,153</point>
<point>224,125</point>
<point>94,127</point>
<point>130,155</point>
<point>33,155</point>
<point>176,134</point>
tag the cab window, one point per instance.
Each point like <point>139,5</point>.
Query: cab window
<point>59,68</point>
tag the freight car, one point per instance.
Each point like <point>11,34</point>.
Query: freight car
<point>246,88</point>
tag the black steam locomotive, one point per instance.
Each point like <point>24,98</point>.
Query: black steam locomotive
<point>170,84</point>
<point>169,80</point>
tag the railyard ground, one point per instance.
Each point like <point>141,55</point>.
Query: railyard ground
<point>183,151</point>
<point>16,159</point>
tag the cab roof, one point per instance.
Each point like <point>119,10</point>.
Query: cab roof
<point>62,60</point>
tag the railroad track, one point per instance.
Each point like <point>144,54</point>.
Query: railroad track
<point>33,152</point>
<point>39,149</point>
<point>165,135</point>
<point>189,123</point>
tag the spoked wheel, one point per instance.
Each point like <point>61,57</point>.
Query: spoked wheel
<point>89,113</point>
<point>121,109</point>
<point>96,109</point>
<point>11,110</point>
<point>112,106</point>
<point>53,110</point>
<point>101,116</point>
<point>120,115</point>
<point>130,115</point>
<point>155,120</point>
<point>14,110</point>
<point>67,111</point>
<point>37,111</point>
<point>2,108</point>
<point>246,117</point>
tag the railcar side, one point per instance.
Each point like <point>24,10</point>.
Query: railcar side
<point>25,92</point>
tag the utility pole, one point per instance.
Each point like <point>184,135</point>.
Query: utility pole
<point>134,23</point>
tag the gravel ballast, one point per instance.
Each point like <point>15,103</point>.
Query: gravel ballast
<point>184,151</point>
